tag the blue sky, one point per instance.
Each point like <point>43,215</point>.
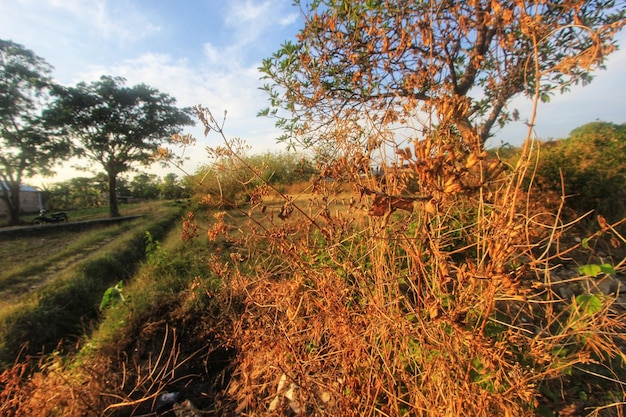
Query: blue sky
<point>208,51</point>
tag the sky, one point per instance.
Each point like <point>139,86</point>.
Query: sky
<point>208,52</point>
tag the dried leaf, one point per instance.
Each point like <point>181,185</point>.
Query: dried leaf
<point>604,225</point>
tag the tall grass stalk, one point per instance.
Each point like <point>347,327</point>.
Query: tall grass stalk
<point>412,306</point>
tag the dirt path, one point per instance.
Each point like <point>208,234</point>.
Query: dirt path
<point>31,260</point>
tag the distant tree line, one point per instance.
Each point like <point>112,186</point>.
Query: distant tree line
<point>221,177</point>
<point>93,191</point>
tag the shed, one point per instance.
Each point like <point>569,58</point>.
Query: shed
<point>30,200</point>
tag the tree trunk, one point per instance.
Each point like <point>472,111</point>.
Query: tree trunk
<point>113,207</point>
<point>11,196</point>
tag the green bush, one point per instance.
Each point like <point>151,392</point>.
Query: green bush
<point>592,162</point>
<point>588,168</point>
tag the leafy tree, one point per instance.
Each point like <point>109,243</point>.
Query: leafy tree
<point>76,192</point>
<point>118,126</point>
<point>123,186</point>
<point>84,192</point>
<point>101,182</point>
<point>27,147</point>
<point>57,195</point>
<point>145,186</point>
<point>171,188</point>
<point>362,68</point>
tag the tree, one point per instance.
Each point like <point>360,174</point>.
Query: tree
<point>27,147</point>
<point>361,68</point>
<point>171,188</point>
<point>145,186</point>
<point>83,192</point>
<point>118,126</point>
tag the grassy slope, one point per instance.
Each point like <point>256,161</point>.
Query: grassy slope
<point>165,336</point>
<point>66,299</point>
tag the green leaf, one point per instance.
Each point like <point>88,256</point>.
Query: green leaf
<point>589,303</point>
<point>112,295</point>
<point>607,268</point>
<point>559,351</point>
<point>585,243</point>
<point>592,270</point>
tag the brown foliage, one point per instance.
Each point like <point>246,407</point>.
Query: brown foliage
<point>427,298</point>
<point>379,65</point>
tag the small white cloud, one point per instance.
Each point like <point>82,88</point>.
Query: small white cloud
<point>119,21</point>
<point>289,19</point>
<point>211,52</point>
<point>251,19</point>
<point>247,11</point>
<point>223,58</point>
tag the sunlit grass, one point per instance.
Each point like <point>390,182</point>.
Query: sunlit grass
<point>18,277</point>
<point>67,296</point>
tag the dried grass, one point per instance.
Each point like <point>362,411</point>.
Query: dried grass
<point>433,306</point>
<point>392,301</point>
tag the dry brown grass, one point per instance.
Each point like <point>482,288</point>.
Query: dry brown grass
<point>442,305</point>
<point>164,350</point>
<point>382,302</point>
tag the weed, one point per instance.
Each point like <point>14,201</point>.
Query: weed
<point>112,295</point>
<point>438,306</point>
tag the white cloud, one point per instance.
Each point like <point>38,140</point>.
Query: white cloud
<point>118,21</point>
<point>289,19</point>
<point>247,11</point>
<point>212,53</point>
<point>252,19</point>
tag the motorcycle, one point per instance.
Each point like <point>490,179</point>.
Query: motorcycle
<point>57,217</point>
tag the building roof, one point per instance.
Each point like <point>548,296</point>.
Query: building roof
<point>23,187</point>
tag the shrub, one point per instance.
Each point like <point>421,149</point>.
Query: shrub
<point>227,181</point>
<point>589,167</point>
<point>437,299</point>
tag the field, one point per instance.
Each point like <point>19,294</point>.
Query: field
<point>31,261</point>
<point>312,303</point>
<point>44,263</point>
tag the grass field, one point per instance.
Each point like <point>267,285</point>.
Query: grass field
<point>309,299</point>
<point>55,278</point>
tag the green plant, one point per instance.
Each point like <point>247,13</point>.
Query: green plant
<point>112,295</point>
<point>588,169</point>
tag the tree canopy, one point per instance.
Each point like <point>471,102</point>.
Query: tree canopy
<point>118,126</point>
<point>27,147</point>
<point>361,68</point>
